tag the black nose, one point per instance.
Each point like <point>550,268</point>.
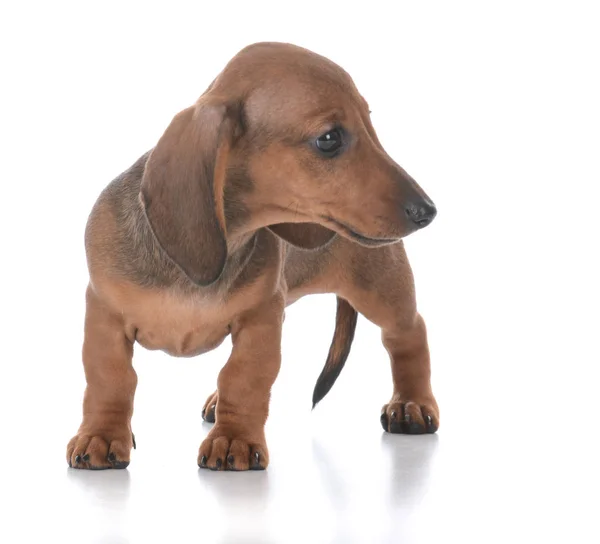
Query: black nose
<point>421,213</point>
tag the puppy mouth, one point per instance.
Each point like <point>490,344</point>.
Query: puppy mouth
<point>360,238</point>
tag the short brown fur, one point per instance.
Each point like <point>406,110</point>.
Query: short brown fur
<point>232,216</point>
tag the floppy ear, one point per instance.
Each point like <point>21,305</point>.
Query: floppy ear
<point>303,235</point>
<point>182,190</point>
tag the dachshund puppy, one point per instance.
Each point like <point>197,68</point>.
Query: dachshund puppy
<point>272,186</point>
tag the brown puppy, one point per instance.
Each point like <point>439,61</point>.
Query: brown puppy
<point>273,185</point>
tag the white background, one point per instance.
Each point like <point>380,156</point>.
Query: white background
<point>492,107</point>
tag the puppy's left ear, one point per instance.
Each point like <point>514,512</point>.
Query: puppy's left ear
<point>304,235</point>
<point>183,184</point>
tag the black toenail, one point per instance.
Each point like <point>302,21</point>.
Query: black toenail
<point>203,412</point>
<point>219,463</point>
<point>393,415</point>
<point>231,459</point>
<point>213,407</point>
<point>256,465</point>
<point>133,440</point>
<point>78,459</point>
<point>203,461</point>
<point>431,427</point>
<point>384,421</point>
<point>86,457</point>
<point>407,418</point>
<point>112,457</point>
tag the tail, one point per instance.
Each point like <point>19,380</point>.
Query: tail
<point>345,325</point>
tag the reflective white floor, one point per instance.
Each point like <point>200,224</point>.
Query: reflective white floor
<point>503,468</point>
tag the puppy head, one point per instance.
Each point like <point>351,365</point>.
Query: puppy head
<point>295,126</point>
<point>312,152</point>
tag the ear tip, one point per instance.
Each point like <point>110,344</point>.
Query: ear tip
<point>205,274</point>
<point>202,281</point>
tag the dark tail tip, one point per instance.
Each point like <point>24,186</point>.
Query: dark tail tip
<point>345,325</point>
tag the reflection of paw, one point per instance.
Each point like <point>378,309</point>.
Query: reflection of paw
<point>409,417</point>
<point>223,451</point>
<point>102,450</point>
<point>210,407</point>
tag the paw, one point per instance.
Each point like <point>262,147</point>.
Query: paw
<point>210,407</point>
<point>409,417</point>
<point>224,450</point>
<point>99,451</point>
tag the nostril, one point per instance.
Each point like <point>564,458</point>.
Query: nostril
<point>421,214</point>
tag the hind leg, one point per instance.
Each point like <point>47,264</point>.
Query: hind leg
<point>380,285</point>
<point>210,408</point>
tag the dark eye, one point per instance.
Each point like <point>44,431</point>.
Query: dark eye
<point>330,142</point>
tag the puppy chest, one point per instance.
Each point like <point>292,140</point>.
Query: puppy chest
<point>182,325</point>
<point>180,340</point>
<point>180,328</point>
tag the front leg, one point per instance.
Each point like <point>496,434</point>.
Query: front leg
<point>237,441</point>
<point>412,408</point>
<point>380,285</point>
<point>104,439</point>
